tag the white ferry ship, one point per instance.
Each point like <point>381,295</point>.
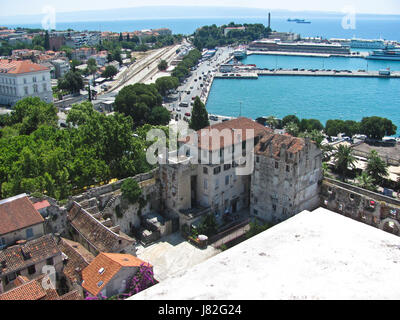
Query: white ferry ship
<point>385,54</point>
<point>370,44</point>
<point>240,53</point>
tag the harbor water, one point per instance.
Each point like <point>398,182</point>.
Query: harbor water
<point>333,63</point>
<point>321,98</point>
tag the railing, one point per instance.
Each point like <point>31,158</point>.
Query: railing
<point>230,234</point>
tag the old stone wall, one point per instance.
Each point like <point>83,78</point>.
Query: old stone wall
<point>362,205</point>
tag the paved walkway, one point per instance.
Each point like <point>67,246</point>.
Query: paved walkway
<point>172,255</point>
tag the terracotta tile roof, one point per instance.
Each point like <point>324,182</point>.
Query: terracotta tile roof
<point>28,291</point>
<point>235,127</point>
<point>110,264</point>
<point>34,290</point>
<point>41,205</point>
<point>78,259</point>
<point>18,213</point>
<point>73,295</point>
<point>19,67</point>
<point>99,236</point>
<point>271,145</point>
<point>35,251</point>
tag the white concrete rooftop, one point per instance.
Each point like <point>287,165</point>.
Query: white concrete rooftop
<point>314,255</point>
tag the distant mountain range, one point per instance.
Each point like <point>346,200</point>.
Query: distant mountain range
<point>166,12</point>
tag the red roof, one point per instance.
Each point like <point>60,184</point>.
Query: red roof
<point>40,205</point>
<point>18,67</point>
<point>18,213</point>
<point>236,129</point>
<point>109,264</point>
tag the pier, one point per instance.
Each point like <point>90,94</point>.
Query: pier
<point>361,55</point>
<point>308,73</point>
<point>325,73</point>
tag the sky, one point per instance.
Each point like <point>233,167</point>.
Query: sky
<point>27,7</point>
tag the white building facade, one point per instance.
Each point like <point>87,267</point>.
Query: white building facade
<point>21,79</point>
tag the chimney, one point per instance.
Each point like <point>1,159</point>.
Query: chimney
<point>269,20</point>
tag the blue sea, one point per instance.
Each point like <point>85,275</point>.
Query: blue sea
<point>321,98</point>
<point>373,27</point>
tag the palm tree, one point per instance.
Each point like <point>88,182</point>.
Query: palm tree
<point>292,128</point>
<point>272,122</point>
<point>366,181</point>
<point>344,160</point>
<point>325,169</point>
<point>376,167</point>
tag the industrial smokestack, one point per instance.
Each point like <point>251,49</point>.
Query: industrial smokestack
<point>269,19</point>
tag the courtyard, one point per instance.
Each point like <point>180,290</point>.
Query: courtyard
<point>173,254</point>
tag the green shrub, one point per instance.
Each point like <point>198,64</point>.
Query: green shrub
<point>131,190</point>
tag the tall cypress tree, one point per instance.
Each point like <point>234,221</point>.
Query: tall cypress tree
<point>47,41</point>
<point>199,116</point>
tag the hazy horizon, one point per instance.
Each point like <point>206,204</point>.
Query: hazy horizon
<point>154,9</point>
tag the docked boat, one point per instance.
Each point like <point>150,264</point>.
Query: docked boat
<point>385,54</point>
<point>240,53</point>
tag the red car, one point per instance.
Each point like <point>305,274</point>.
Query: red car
<point>187,114</point>
<point>193,98</point>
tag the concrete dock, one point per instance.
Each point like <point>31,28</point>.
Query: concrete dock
<point>324,73</point>
<point>308,54</point>
<point>237,75</point>
<point>309,73</point>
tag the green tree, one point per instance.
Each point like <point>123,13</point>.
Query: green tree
<point>344,160</point>
<point>292,128</point>
<point>164,84</point>
<point>290,119</point>
<point>376,167</point>
<point>208,225</point>
<point>131,190</point>
<point>46,43</point>
<point>72,82</point>
<point>314,135</point>
<point>137,101</point>
<point>163,65</point>
<point>376,127</point>
<point>159,116</point>
<point>110,72</point>
<point>199,118</point>
<point>366,181</point>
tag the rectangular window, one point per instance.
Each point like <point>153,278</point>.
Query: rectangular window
<point>11,277</point>
<point>205,184</point>
<point>26,90</point>
<point>227,167</point>
<point>205,170</point>
<point>44,87</point>
<point>31,270</point>
<point>29,233</point>
<point>217,170</point>
<point>216,184</point>
<point>24,80</point>
<point>276,165</point>
<point>34,79</point>
<point>287,169</point>
<point>226,180</point>
<point>274,207</point>
<point>255,212</point>
<point>258,159</point>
